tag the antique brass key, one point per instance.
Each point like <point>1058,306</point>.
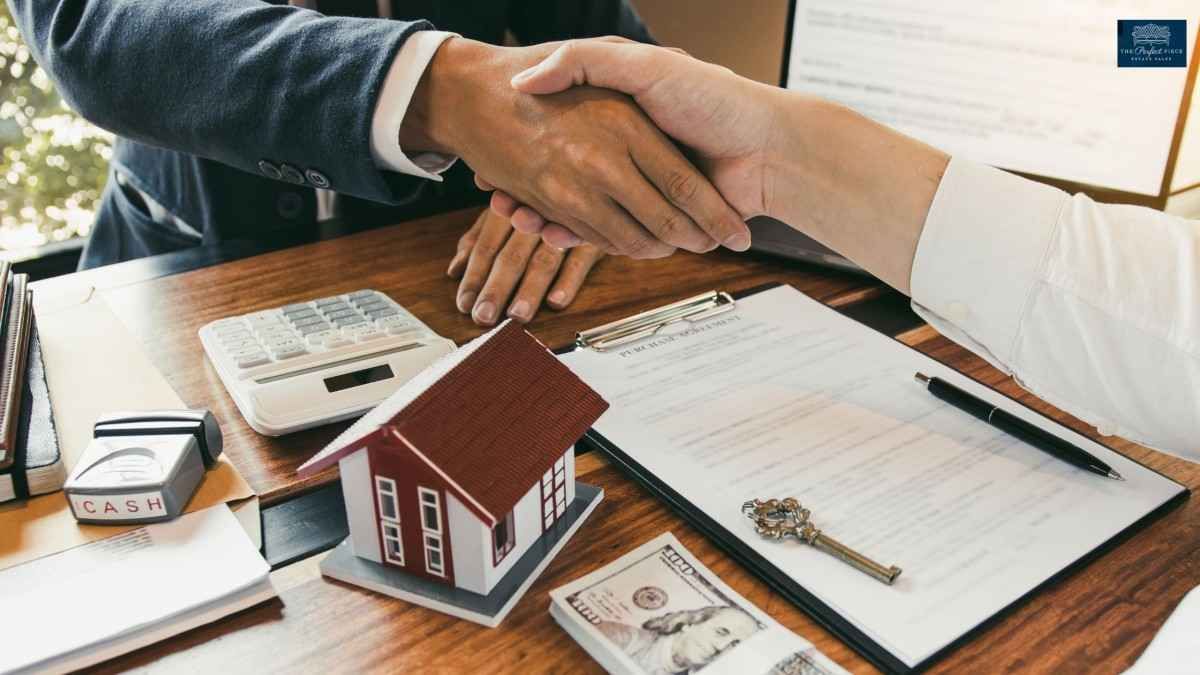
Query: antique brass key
<point>781,518</point>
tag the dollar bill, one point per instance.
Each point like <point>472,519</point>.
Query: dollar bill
<point>658,611</point>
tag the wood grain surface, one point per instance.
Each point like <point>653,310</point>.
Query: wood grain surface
<point>408,262</point>
<point>1097,620</point>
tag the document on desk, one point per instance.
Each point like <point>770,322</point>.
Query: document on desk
<point>81,606</point>
<point>1022,84</point>
<point>786,397</point>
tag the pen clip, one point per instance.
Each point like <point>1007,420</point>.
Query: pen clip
<point>649,323</point>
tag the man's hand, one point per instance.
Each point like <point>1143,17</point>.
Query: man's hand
<point>586,158</point>
<point>727,122</point>
<point>493,261</point>
<point>851,183</point>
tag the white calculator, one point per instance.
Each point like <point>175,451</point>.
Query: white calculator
<point>312,363</point>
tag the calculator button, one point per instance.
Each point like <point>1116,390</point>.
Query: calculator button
<point>339,313</point>
<point>297,307</point>
<point>406,331</point>
<point>331,300</point>
<point>307,320</point>
<point>364,293</point>
<point>306,313</point>
<point>368,335</point>
<point>348,321</point>
<point>240,346</point>
<point>369,307</point>
<point>319,327</point>
<point>336,341</point>
<point>382,312</point>
<point>319,338</point>
<point>288,352</point>
<point>251,360</point>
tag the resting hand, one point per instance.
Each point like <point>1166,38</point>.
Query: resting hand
<point>727,122</point>
<point>493,261</point>
<point>586,158</point>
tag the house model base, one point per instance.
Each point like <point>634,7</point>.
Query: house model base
<point>490,609</point>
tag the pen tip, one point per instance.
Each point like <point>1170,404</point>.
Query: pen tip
<point>1114,475</point>
<point>921,377</point>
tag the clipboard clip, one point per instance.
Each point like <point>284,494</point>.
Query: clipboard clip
<point>649,323</point>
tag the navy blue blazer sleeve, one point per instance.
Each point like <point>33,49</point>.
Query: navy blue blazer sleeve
<point>236,81</point>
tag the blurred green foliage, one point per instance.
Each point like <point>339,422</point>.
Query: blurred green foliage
<point>52,162</point>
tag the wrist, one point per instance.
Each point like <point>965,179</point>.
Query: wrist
<point>443,93</point>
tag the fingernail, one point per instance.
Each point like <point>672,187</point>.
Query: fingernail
<point>466,300</point>
<point>739,241</point>
<point>485,312</point>
<point>522,76</point>
<point>519,310</point>
<point>558,298</point>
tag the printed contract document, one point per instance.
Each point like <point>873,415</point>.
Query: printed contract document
<point>1023,85</point>
<point>785,397</point>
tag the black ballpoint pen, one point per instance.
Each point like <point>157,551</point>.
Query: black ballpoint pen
<point>1016,427</point>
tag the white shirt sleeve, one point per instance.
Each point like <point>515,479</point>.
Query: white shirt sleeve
<point>1095,308</point>
<point>397,91</point>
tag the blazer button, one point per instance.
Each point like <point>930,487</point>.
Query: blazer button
<point>289,205</point>
<point>269,170</point>
<point>317,179</point>
<point>291,174</point>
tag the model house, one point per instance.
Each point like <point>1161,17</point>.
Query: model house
<point>467,470</point>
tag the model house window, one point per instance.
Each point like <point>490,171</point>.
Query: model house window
<point>392,548</point>
<point>431,530</point>
<point>554,493</point>
<point>504,538</point>
<point>389,519</point>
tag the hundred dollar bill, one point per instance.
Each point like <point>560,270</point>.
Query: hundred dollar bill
<point>658,611</point>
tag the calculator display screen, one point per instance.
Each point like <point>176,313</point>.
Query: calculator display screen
<point>358,378</point>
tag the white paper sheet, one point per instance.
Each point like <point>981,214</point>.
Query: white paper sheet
<point>64,607</point>
<point>785,397</point>
<point>1020,84</point>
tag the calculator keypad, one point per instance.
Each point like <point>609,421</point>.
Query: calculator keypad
<point>321,325</point>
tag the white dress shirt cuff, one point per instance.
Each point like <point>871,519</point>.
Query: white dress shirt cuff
<point>397,91</point>
<point>980,255</point>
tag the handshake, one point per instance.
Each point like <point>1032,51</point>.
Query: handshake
<point>639,150</point>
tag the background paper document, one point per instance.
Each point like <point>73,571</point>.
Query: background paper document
<point>1020,84</point>
<point>785,397</point>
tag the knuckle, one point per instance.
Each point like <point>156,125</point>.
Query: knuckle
<point>682,186</point>
<point>510,258</point>
<point>639,247</point>
<point>486,250</point>
<point>546,258</point>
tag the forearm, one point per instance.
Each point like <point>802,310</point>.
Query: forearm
<point>236,82</point>
<point>856,186</point>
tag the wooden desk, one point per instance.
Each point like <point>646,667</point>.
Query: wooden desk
<point>1097,620</point>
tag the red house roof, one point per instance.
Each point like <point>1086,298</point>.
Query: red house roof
<point>491,425</point>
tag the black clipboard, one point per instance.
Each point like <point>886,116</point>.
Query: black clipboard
<point>781,583</point>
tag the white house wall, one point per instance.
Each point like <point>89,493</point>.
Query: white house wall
<point>358,488</point>
<point>470,544</point>
<point>570,476</point>
<point>527,523</point>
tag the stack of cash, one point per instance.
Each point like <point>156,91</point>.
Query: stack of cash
<point>657,610</point>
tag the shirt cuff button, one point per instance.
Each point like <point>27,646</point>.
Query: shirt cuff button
<point>269,170</point>
<point>317,179</point>
<point>291,174</point>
